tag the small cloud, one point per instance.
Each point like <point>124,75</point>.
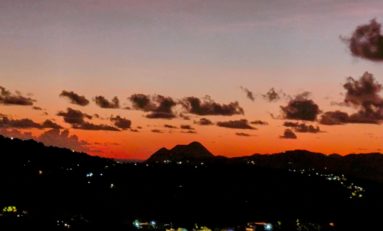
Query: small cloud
<point>242,134</point>
<point>249,94</point>
<point>77,120</point>
<point>301,108</point>
<point>170,126</point>
<point>203,122</point>
<point>37,108</point>
<point>156,131</point>
<point>334,118</point>
<point>8,98</point>
<point>271,95</point>
<point>160,115</point>
<point>187,127</point>
<point>75,98</point>
<point>207,106</point>
<point>6,122</point>
<point>121,123</point>
<point>259,122</point>
<point>72,116</point>
<point>235,124</point>
<point>158,106</point>
<point>363,94</point>
<point>302,127</point>
<point>102,102</point>
<point>367,41</point>
<point>50,124</point>
<point>288,134</point>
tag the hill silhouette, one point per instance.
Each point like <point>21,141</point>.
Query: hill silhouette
<point>366,166</point>
<point>53,187</point>
<point>194,151</point>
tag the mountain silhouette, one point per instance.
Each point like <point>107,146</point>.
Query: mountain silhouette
<point>54,186</point>
<point>192,152</point>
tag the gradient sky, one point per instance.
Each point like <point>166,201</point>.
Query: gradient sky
<point>182,48</point>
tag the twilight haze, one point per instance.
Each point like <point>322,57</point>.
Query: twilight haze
<point>122,78</point>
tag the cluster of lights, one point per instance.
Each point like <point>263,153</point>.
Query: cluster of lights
<point>140,225</point>
<point>64,224</point>
<point>264,225</point>
<point>10,209</point>
<point>355,190</point>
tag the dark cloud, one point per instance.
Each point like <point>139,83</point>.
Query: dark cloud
<point>290,124</point>
<point>236,124</point>
<point>207,106</point>
<point>339,117</point>
<point>18,123</point>
<point>302,127</point>
<point>156,131</point>
<point>190,132</point>
<point>367,41</point>
<point>203,122</point>
<point>75,98</point>
<point>362,94</point>
<point>57,138</point>
<point>77,118</point>
<point>50,124</point>
<point>170,126</point>
<point>121,123</point>
<point>158,106</point>
<point>6,122</point>
<point>242,134</point>
<point>160,115</point>
<point>249,94</point>
<point>259,122</point>
<point>102,102</point>
<point>334,118</point>
<point>37,108</point>
<point>8,98</point>
<point>288,134</point>
<point>271,95</point>
<point>94,127</point>
<point>141,102</point>
<point>187,127</point>
<point>301,108</point>
<point>72,116</point>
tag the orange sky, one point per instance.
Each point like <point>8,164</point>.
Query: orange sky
<point>183,49</point>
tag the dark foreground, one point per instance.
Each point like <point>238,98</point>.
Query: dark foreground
<point>56,189</point>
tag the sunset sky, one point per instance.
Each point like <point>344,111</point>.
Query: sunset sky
<point>264,76</point>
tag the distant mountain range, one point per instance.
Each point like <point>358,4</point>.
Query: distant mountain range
<point>56,187</point>
<point>365,166</point>
<point>368,166</point>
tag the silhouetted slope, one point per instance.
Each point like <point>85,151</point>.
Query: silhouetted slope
<point>29,152</point>
<point>52,186</point>
<point>191,152</point>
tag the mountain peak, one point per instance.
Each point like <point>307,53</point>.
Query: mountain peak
<point>190,152</point>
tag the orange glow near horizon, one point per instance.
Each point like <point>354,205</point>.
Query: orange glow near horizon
<point>181,49</point>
